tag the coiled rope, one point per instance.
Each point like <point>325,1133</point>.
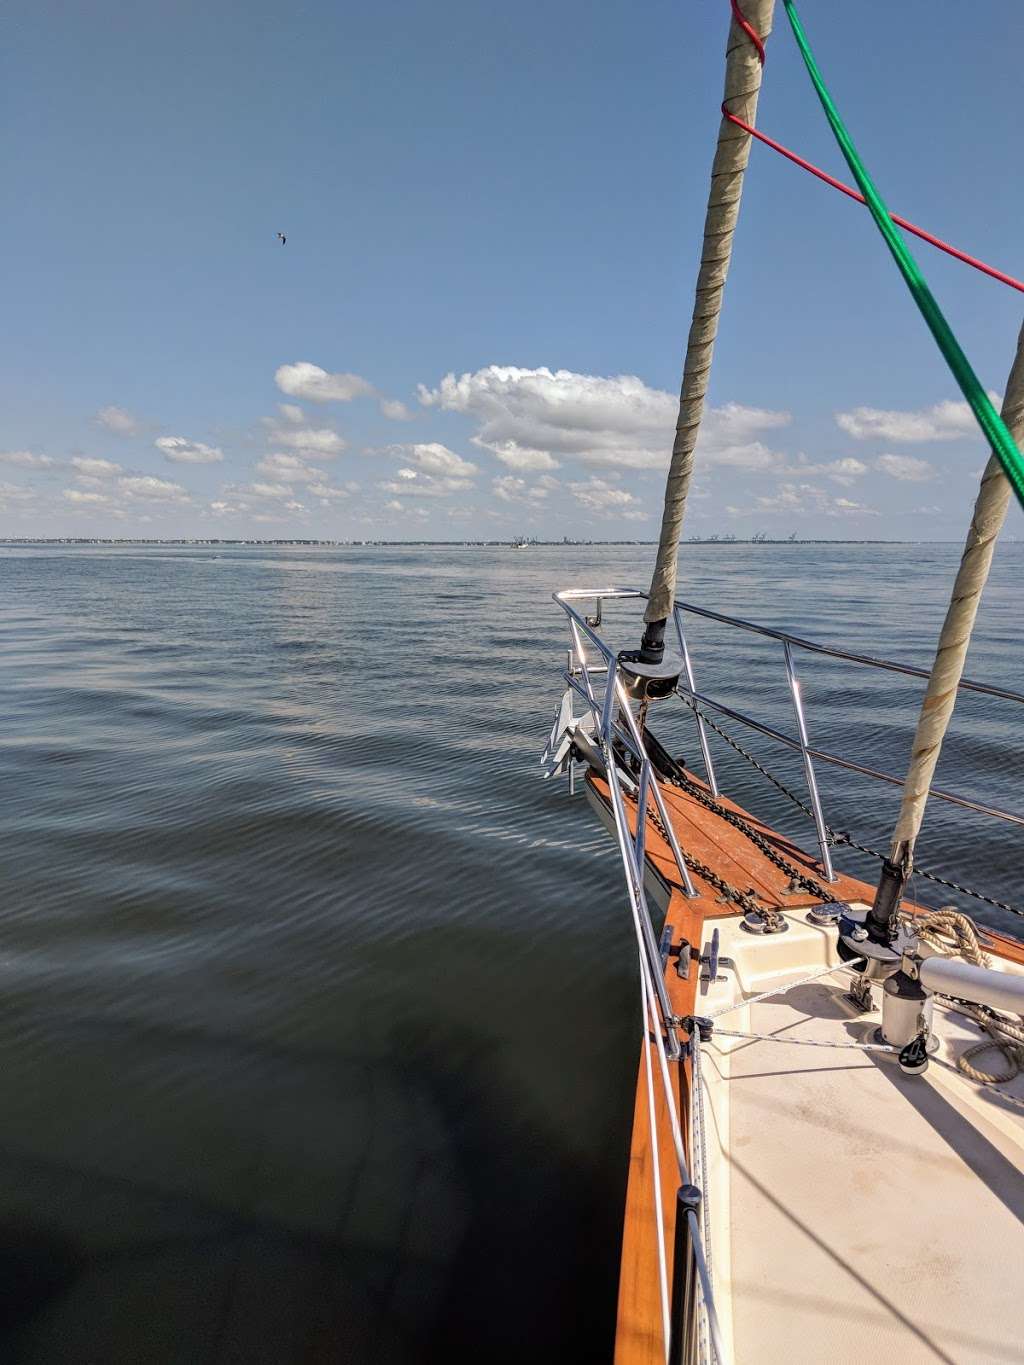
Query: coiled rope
<point>953,934</point>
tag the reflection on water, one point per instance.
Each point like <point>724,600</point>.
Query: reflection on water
<point>318,1033</point>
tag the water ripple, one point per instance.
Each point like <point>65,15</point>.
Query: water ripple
<point>318,1023</point>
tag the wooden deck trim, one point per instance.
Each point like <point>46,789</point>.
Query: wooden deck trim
<point>707,837</point>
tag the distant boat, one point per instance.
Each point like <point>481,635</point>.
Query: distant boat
<point>521,543</point>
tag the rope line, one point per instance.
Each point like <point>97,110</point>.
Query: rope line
<point>851,193</point>
<point>805,1042</point>
<point>743,23</point>
<point>992,425</point>
<point>839,836</point>
<point>659,1217</point>
<point>784,988</point>
<point>952,934</point>
<point>699,1153</point>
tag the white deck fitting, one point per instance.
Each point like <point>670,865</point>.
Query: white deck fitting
<point>859,1215</point>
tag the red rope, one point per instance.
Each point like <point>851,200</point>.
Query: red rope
<point>959,255</point>
<point>751,33</point>
<point>999,275</point>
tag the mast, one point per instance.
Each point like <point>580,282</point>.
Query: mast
<point>743,65</point>
<point>951,654</point>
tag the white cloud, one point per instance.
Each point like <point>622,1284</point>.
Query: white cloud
<point>433,458</point>
<point>432,471</point>
<point>94,468</point>
<point>180,450</point>
<point>326,491</point>
<point>12,492</point>
<point>395,410</point>
<point>511,488</point>
<point>519,457</point>
<point>843,471</point>
<point>149,488</point>
<point>25,459</point>
<point>803,499</point>
<point>395,506</point>
<point>315,443</point>
<point>946,421</point>
<point>411,483</point>
<point>287,468</point>
<point>83,499</point>
<point>118,420</point>
<point>508,488</point>
<point>291,413</point>
<point>906,468</point>
<point>597,495</point>
<point>530,418</point>
<point>752,455</point>
<point>304,380</point>
<point>277,491</point>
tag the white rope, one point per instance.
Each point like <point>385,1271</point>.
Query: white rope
<point>742,85</point>
<point>950,932</point>
<point>781,990</point>
<point>699,1151</point>
<point>714,1328</point>
<point>1004,1037</point>
<point>953,934</point>
<point>701,1148</point>
<point>805,1042</point>
<point>955,638</point>
<point>638,906</point>
<point>659,1216</point>
<point>670,1099</point>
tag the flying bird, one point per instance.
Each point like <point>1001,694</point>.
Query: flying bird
<point>282,237</point>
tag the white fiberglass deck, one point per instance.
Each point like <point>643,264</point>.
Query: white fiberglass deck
<point>858,1214</point>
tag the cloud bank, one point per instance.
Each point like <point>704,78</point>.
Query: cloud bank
<point>532,420</point>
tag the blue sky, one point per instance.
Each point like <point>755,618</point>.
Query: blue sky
<point>493,219</point>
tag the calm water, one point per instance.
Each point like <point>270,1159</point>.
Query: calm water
<point>317,1040</point>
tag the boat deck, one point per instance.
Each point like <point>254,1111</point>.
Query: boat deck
<point>838,1241</point>
<point>858,1213</point>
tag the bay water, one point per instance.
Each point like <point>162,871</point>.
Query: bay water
<point>318,1027</point>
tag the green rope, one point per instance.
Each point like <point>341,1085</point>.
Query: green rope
<point>989,420</point>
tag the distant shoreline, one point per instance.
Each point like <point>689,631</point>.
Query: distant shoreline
<point>450,544</point>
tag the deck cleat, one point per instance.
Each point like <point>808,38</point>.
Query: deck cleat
<point>757,922</point>
<point>826,914</point>
<point>913,1059</point>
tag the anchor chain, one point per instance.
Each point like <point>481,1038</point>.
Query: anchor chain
<point>744,899</point>
<point>796,875</point>
<point>771,917</point>
<point>836,837</point>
